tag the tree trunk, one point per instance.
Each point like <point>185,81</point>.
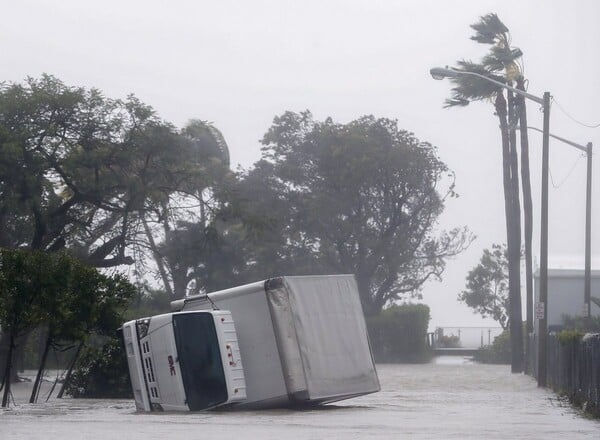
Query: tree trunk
<point>512,232</point>
<point>367,301</point>
<point>38,378</point>
<point>527,215</point>
<point>4,349</point>
<point>516,328</point>
<point>69,371</point>
<point>7,370</point>
<point>159,261</point>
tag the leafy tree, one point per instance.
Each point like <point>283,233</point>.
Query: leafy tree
<point>359,198</point>
<point>186,223</point>
<point>501,64</point>
<point>89,303</point>
<point>77,169</point>
<point>487,286</point>
<point>22,280</point>
<point>55,291</point>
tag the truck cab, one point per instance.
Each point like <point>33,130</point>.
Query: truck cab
<point>184,361</point>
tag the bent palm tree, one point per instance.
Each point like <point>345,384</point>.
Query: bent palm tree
<point>527,212</point>
<point>490,30</point>
<point>500,64</point>
<point>173,261</point>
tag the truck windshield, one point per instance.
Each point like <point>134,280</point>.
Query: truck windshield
<point>199,360</point>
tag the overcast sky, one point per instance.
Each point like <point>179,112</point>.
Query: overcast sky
<point>240,63</point>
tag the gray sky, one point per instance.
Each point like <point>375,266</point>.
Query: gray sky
<point>238,64</point>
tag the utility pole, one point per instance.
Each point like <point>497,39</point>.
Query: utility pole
<point>543,298</point>
<point>587,307</point>
<point>588,224</point>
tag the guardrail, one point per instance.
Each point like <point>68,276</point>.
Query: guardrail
<point>463,337</point>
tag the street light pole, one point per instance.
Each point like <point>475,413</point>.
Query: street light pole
<point>441,73</point>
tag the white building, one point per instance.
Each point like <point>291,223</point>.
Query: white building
<point>565,293</point>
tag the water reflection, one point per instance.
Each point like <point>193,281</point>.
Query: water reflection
<point>452,360</point>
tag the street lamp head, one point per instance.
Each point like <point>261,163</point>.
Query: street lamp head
<point>439,73</point>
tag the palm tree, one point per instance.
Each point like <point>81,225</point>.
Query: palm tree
<point>527,213</point>
<point>185,236</point>
<point>490,30</point>
<point>501,65</point>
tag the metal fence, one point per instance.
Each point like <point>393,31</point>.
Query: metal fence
<point>464,337</point>
<point>573,369</point>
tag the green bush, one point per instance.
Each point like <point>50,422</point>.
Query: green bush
<point>497,353</point>
<point>591,325</point>
<point>102,373</point>
<point>451,341</point>
<point>399,334</point>
<point>569,336</point>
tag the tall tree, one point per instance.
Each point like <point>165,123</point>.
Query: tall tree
<point>501,65</point>
<point>83,302</point>
<point>55,291</point>
<point>77,169</point>
<point>22,280</point>
<point>486,290</point>
<point>185,224</point>
<point>359,198</point>
<point>527,212</point>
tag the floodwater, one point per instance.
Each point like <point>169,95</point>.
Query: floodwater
<point>451,398</point>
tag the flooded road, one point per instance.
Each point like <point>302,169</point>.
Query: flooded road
<point>449,399</point>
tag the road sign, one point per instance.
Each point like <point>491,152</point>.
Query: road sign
<point>540,310</point>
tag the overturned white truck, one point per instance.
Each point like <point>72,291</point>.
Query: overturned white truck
<point>288,341</point>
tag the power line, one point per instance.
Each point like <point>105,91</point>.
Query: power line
<point>572,118</point>
<point>556,186</point>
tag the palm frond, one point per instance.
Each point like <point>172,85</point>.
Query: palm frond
<point>473,88</point>
<point>489,29</point>
<point>456,102</point>
<point>209,139</point>
<point>499,58</point>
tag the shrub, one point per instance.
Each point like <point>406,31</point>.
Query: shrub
<point>570,336</point>
<point>399,334</point>
<point>591,325</point>
<point>102,373</point>
<point>497,353</point>
<point>451,341</point>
